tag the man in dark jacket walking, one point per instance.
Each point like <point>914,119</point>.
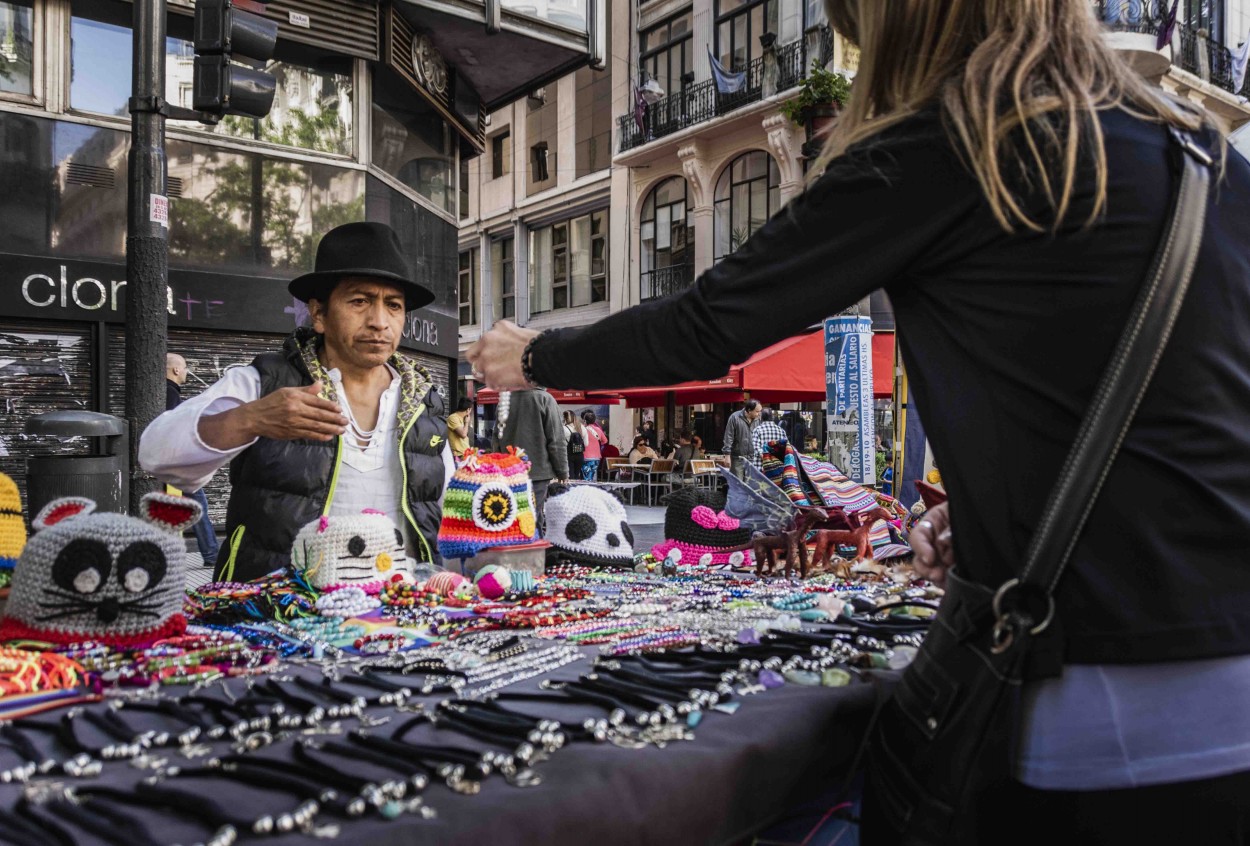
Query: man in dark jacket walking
<point>738,444</point>
<point>335,423</point>
<point>534,425</point>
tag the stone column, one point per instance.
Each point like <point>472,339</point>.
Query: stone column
<point>696,168</point>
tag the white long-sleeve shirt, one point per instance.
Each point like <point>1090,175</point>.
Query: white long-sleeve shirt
<point>172,450</point>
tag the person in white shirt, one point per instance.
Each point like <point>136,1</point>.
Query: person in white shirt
<point>336,423</point>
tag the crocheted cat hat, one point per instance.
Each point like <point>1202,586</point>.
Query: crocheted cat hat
<point>589,526</point>
<point>361,548</point>
<point>695,523</point>
<point>489,502</point>
<point>106,578</point>
<point>12,526</point>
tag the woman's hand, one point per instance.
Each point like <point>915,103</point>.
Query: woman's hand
<point>930,540</point>
<point>496,357</point>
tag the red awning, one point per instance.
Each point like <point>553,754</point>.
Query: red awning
<point>485,396</point>
<point>792,370</point>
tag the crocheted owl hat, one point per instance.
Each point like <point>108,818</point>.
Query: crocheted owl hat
<point>489,502</point>
<point>12,526</point>
<point>589,526</point>
<point>365,548</point>
<point>695,523</point>
<point>107,578</point>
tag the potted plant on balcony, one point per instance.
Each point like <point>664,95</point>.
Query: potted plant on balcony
<point>820,97</point>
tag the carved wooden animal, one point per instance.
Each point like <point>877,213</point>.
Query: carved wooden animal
<point>829,540</point>
<point>792,544</point>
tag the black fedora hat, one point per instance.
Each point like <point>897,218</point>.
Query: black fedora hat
<point>369,250</point>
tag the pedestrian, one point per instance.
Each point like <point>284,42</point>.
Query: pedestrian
<point>738,444</point>
<point>1007,178</point>
<point>575,438</point>
<point>459,425</point>
<point>765,433</point>
<point>205,535</point>
<point>595,441</point>
<point>534,425</point>
<point>796,430</point>
<point>335,423</point>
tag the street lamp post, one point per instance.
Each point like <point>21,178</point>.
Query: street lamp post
<point>147,236</point>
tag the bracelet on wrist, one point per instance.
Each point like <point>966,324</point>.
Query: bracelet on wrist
<point>527,366</point>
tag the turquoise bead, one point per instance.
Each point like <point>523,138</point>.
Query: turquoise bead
<point>813,615</point>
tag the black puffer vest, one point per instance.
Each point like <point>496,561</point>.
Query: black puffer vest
<point>277,487</point>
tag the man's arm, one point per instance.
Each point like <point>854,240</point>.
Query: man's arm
<point>729,435</point>
<point>458,424</point>
<point>187,445</point>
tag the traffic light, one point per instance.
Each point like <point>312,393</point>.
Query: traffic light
<point>225,35</point>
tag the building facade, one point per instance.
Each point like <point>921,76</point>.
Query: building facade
<point>380,108</point>
<point>696,169</point>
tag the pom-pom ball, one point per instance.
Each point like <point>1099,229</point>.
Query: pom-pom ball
<point>493,581</point>
<point>444,583</point>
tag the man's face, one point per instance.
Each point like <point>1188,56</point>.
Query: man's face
<point>753,413</point>
<point>362,322</point>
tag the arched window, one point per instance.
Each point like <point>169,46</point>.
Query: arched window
<point>667,250</point>
<point>747,194</point>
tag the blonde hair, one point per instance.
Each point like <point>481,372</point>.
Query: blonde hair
<point>1000,71</point>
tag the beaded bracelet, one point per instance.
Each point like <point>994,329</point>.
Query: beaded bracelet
<point>527,362</point>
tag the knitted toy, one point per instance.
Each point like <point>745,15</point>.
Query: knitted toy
<point>107,578</point>
<point>589,526</point>
<point>696,525</point>
<point>12,527</point>
<point>488,503</point>
<point>362,548</point>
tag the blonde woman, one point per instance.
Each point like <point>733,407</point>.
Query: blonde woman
<point>1006,178</point>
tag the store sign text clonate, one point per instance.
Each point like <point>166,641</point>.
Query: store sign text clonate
<point>52,289</point>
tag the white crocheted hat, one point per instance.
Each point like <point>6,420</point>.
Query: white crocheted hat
<point>365,547</point>
<point>589,526</point>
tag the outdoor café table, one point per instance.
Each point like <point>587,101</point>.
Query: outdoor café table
<point>740,773</point>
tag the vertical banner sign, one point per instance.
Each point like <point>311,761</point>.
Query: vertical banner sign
<point>848,396</point>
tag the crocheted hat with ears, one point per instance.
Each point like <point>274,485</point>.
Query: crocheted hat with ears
<point>696,525</point>
<point>12,526</point>
<point>108,578</point>
<point>365,547</point>
<point>588,525</point>
<point>489,502</point>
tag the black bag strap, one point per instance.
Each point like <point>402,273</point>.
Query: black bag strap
<point>1115,402</point>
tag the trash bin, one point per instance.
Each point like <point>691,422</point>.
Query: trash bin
<point>102,476</point>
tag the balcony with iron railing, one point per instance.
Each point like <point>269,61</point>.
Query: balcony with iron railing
<point>1193,50</point>
<point>701,101</point>
<point>664,281</point>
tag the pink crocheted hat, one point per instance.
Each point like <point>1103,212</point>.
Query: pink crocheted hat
<point>695,524</point>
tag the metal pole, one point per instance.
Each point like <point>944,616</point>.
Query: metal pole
<point>147,237</point>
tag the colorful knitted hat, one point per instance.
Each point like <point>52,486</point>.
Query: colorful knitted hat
<point>107,578</point>
<point>12,527</point>
<point>367,547</point>
<point>695,524</point>
<point>489,502</point>
<point>589,526</point>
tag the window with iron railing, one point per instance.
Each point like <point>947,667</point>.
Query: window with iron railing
<point>666,239</point>
<point>666,52</point>
<point>739,25</point>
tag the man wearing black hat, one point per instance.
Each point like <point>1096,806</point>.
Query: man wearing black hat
<point>335,423</point>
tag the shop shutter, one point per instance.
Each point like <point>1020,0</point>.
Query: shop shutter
<point>344,26</point>
<point>44,366</point>
<point>209,355</point>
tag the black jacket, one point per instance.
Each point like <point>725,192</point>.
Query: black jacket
<point>1005,336</point>
<point>277,487</point>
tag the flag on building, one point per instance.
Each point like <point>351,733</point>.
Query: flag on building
<point>726,82</point>
<point>640,111</point>
<point>1167,27</point>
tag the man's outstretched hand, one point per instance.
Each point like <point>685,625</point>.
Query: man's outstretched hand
<point>287,414</point>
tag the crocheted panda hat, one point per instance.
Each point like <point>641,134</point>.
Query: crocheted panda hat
<point>362,549</point>
<point>107,578</point>
<point>489,502</point>
<point>12,526</point>
<point>695,524</point>
<point>589,526</point>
